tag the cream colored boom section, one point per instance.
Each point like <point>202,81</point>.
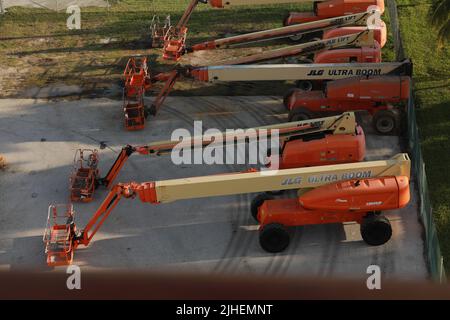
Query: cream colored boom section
<point>231,3</point>
<point>359,19</point>
<point>340,124</point>
<point>299,178</point>
<point>267,72</point>
<point>356,40</point>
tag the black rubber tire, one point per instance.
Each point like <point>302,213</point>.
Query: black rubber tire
<point>296,38</point>
<point>274,238</point>
<point>376,230</point>
<point>257,202</point>
<point>300,114</point>
<point>304,85</point>
<point>287,96</point>
<point>386,122</point>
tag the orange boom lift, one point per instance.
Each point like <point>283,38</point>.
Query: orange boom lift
<point>337,139</point>
<point>356,48</point>
<point>342,193</point>
<point>307,77</point>
<point>175,43</point>
<point>373,94</point>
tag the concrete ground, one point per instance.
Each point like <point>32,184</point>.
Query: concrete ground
<point>38,139</point>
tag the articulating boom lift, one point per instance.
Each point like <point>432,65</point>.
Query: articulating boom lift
<point>342,193</point>
<point>174,48</point>
<point>331,140</point>
<point>358,48</point>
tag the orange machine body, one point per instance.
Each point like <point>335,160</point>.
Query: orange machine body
<point>352,94</point>
<point>348,55</point>
<point>323,149</point>
<point>333,8</point>
<point>379,33</point>
<point>344,201</point>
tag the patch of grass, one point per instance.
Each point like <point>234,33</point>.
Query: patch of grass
<point>432,90</point>
<point>39,50</point>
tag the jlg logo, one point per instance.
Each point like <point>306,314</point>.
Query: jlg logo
<point>291,181</point>
<point>316,73</point>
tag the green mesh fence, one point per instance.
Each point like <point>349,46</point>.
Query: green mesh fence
<point>432,247</point>
<point>433,251</point>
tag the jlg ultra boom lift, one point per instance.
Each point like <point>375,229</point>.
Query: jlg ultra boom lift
<point>174,38</point>
<point>325,29</point>
<point>310,76</point>
<point>373,94</point>
<point>323,141</point>
<point>341,193</point>
<point>358,47</point>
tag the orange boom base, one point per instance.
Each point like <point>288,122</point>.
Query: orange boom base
<point>372,94</point>
<point>332,8</point>
<point>355,200</point>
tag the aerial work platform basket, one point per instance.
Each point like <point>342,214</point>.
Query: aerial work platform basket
<point>84,175</point>
<point>174,43</point>
<point>58,235</point>
<point>135,77</point>
<point>134,110</point>
<point>159,30</point>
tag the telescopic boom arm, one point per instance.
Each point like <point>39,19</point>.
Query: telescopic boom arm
<point>341,124</point>
<point>364,38</point>
<point>287,72</point>
<point>359,19</point>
